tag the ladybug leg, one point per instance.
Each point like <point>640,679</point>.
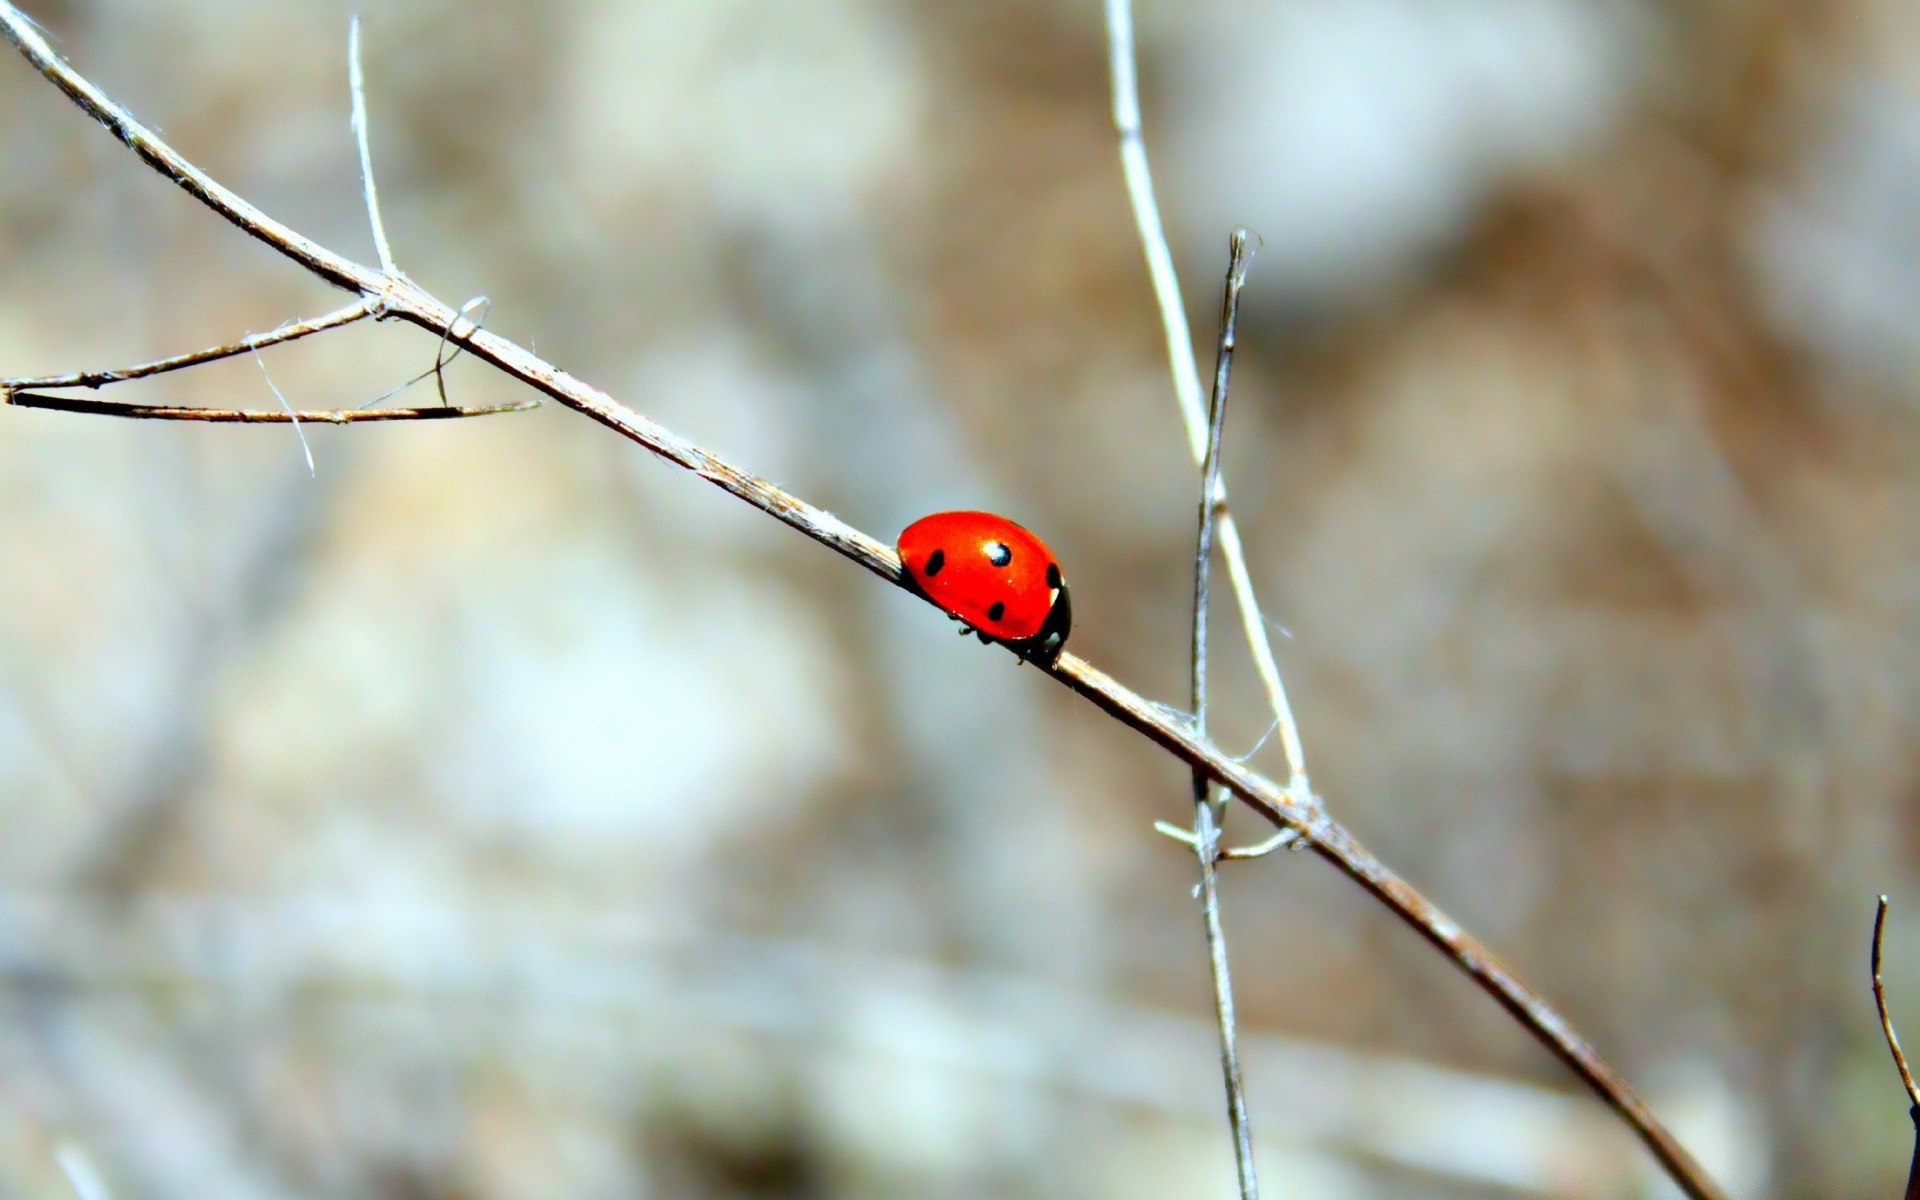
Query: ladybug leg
<point>984,639</point>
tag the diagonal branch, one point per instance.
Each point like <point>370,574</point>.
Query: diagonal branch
<point>19,391</point>
<point>400,297</point>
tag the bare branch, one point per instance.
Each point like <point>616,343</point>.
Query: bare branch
<point>358,83</point>
<point>1880,1001</point>
<point>1206,828</point>
<point>1186,378</point>
<point>292,331</point>
<point>400,297</point>
<point>258,416</point>
<point>1893,1044</point>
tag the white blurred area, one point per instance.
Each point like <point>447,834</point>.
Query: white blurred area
<point>498,812</point>
<point>1360,137</point>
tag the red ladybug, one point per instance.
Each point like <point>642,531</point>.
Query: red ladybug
<point>991,574</point>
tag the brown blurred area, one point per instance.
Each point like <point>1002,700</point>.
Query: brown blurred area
<point>498,812</point>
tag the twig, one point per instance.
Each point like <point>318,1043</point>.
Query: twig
<point>292,331</point>
<point>1206,828</point>
<point>257,416</point>
<point>1343,852</point>
<point>1286,837</point>
<point>1186,378</point>
<point>402,298</point>
<point>1886,1022</point>
<point>1899,1057</point>
<point>358,84</point>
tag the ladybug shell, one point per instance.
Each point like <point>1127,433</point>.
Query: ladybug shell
<point>990,573</point>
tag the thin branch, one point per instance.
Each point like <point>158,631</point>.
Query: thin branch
<point>402,298</point>
<point>1899,1057</point>
<point>1186,378</point>
<point>358,84</point>
<point>1206,828</point>
<point>258,416</point>
<point>292,331</point>
<point>1880,1001</point>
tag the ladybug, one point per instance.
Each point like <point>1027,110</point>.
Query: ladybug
<point>992,575</point>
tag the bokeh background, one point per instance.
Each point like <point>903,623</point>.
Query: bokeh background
<point>498,812</point>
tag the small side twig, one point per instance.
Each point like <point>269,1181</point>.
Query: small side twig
<point>1206,817</point>
<point>1893,1044</point>
<point>1279,841</point>
<point>359,310</point>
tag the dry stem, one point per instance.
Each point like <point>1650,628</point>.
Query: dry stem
<point>258,416</point>
<point>1880,1002</point>
<point>292,331</point>
<point>357,84</point>
<point>397,296</point>
<point>1186,379</point>
<point>1206,826</point>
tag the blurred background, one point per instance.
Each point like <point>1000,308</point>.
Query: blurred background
<point>498,812</point>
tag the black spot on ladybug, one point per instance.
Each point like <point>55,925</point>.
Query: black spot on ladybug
<point>935,561</point>
<point>999,553</point>
<point>998,610</point>
<point>1053,575</point>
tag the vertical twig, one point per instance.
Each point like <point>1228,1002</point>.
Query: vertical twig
<point>1206,825</point>
<point>1893,1044</point>
<point>357,82</point>
<point>1186,381</point>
